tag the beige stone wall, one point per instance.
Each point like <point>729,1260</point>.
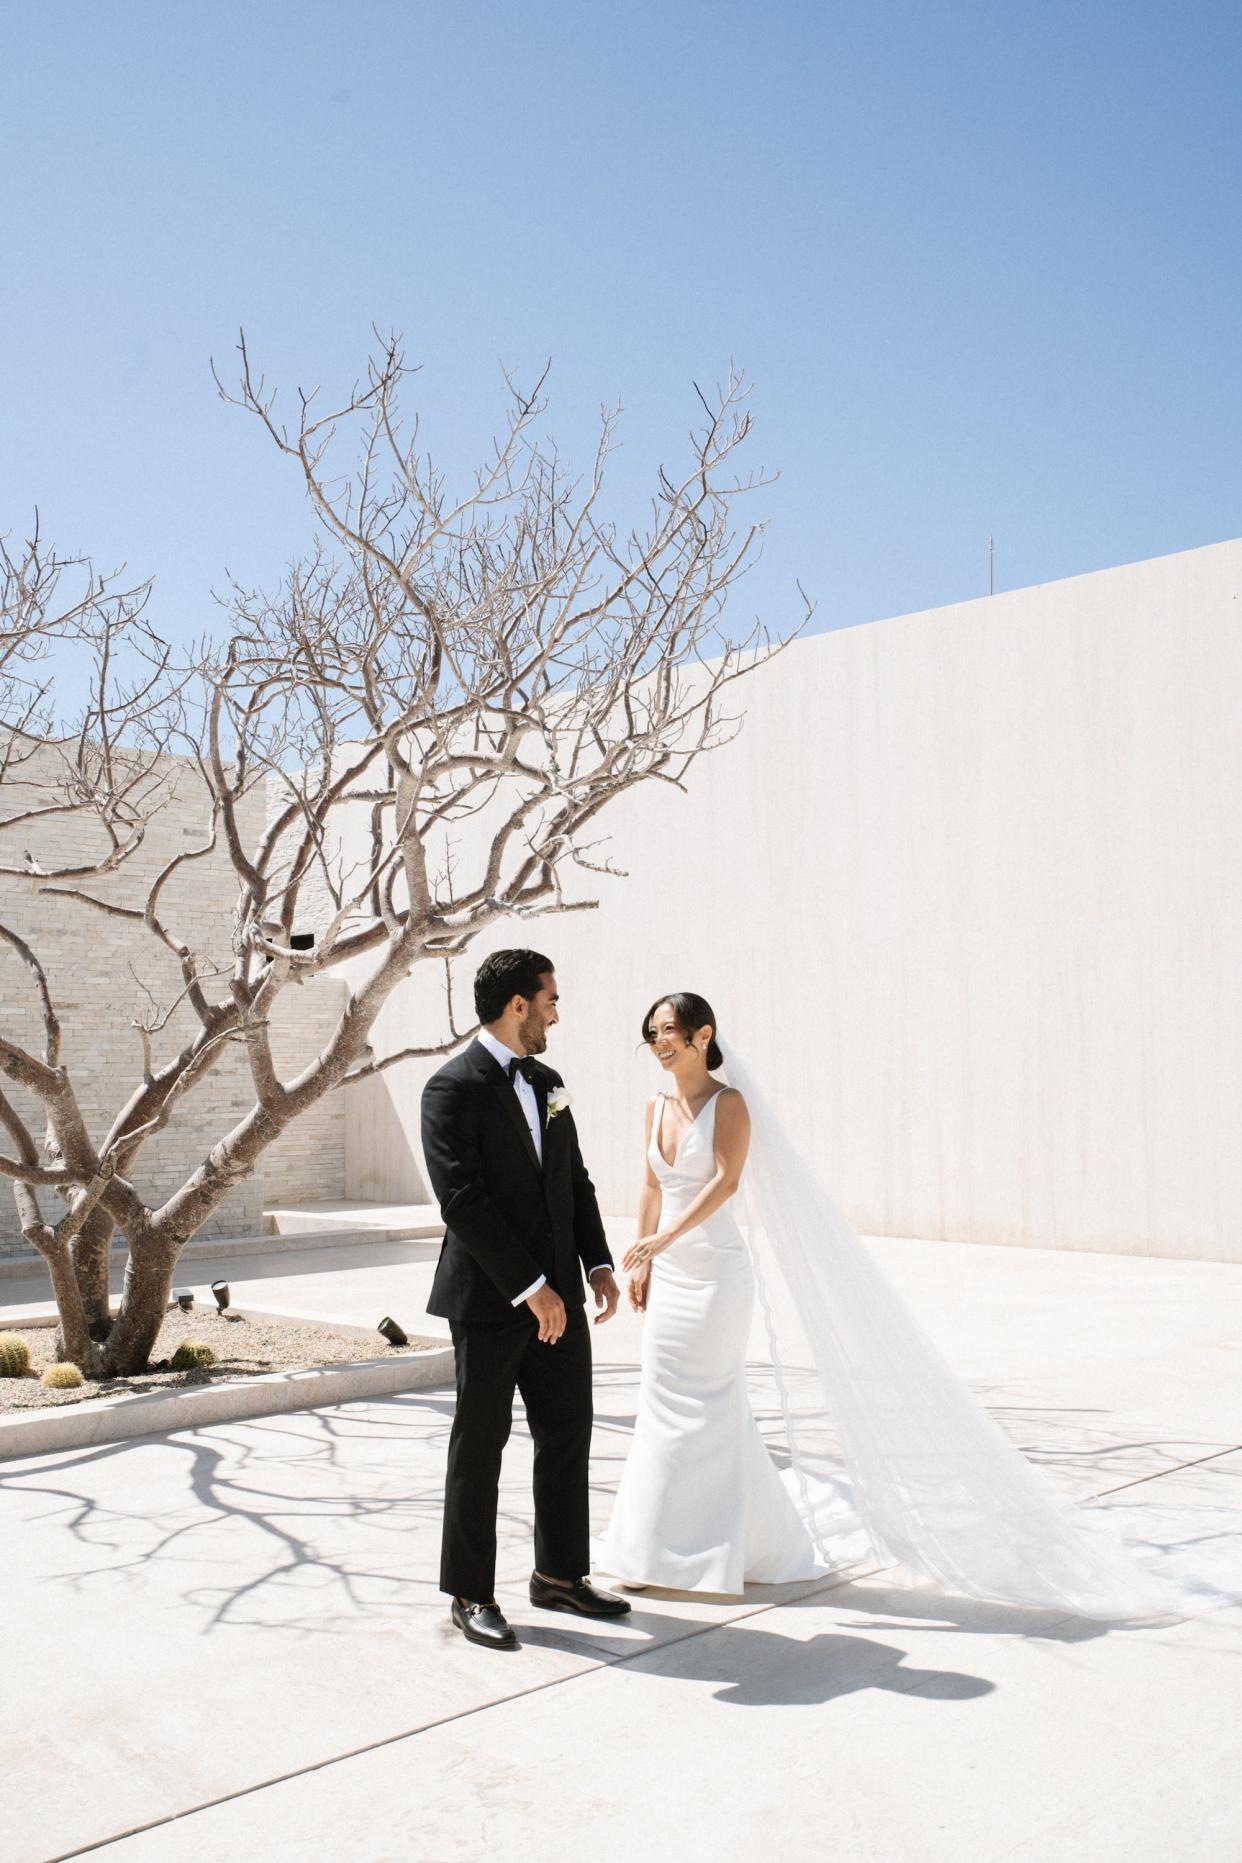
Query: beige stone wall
<point>97,966</point>
<point>307,1165</point>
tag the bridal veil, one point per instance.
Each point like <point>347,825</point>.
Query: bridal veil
<point>893,1459</point>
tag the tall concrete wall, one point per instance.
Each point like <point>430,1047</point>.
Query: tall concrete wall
<point>967,890</point>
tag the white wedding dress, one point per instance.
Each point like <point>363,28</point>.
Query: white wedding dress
<point>893,1462</point>
<point>701,1505</point>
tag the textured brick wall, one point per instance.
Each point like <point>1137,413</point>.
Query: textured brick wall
<point>307,1165</point>
<point>97,968</point>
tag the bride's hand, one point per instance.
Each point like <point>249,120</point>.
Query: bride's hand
<point>643,1252</point>
<point>639,1286</point>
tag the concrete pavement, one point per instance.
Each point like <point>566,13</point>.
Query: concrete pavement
<point>233,1636</point>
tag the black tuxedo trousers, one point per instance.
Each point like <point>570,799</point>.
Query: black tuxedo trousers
<point>493,1360</point>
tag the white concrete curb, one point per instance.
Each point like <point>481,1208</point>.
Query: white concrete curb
<point>156,1413</point>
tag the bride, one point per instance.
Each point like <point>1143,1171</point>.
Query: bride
<point>701,1506</point>
<point>893,1462</point>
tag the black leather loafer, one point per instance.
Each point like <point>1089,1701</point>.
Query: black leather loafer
<point>581,1596</point>
<point>483,1623</point>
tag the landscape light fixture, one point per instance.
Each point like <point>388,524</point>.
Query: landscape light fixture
<point>185,1298</point>
<point>394,1334</point>
<point>221,1291</point>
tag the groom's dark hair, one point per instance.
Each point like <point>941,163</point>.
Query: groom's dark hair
<point>504,975</point>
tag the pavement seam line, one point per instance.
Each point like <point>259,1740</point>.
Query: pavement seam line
<point>831,1583</point>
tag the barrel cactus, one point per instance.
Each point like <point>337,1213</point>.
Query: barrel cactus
<point>14,1356</point>
<point>64,1377</point>
<point>192,1355</point>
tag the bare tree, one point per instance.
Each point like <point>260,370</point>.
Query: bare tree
<point>438,702</point>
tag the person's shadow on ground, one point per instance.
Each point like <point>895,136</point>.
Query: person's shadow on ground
<point>762,1668</point>
<point>757,1666</point>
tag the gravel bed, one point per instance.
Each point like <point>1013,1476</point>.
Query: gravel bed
<point>244,1349</point>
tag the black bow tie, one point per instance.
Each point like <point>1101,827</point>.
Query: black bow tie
<point>523,1066</point>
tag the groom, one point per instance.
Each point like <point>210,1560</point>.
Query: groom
<point>522,1225</point>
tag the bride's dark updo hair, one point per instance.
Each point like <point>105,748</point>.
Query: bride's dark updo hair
<point>691,1013</point>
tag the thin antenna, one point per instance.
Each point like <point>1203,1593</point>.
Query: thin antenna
<point>989,565</point>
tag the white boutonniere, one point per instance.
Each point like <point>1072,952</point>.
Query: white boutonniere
<point>559,1100</point>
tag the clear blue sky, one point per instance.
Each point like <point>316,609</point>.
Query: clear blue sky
<point>980,260</point>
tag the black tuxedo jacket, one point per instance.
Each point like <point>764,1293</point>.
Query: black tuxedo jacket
<point>507,1219</point>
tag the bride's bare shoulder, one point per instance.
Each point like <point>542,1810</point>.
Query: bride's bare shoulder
<point>731,1103</point>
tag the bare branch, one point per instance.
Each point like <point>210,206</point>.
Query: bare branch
<point>406,742</point>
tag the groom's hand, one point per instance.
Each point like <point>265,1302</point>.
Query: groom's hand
<point>607,1294</point>
<point>549,1309</point>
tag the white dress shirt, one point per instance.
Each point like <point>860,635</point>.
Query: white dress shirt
<point>502,1054</point>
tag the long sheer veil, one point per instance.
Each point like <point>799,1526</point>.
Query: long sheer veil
<point>893,1460</point>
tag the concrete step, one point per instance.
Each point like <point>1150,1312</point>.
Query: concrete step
<point>397,1222</point>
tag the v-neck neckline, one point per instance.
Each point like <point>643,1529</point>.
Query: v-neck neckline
<point>671,1163</point>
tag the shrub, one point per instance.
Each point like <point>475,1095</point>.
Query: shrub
<point>14,1356</point>
<point>191,1354</point>
<point>62,1377</point>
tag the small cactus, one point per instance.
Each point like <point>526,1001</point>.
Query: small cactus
<point>14,1356</point>
<point>63,1377</point>
<point>191,1355</point>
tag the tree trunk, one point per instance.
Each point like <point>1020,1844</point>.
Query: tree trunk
<point>91,1256</point>
<point>143,1305</point>
<point>73,1338</point>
